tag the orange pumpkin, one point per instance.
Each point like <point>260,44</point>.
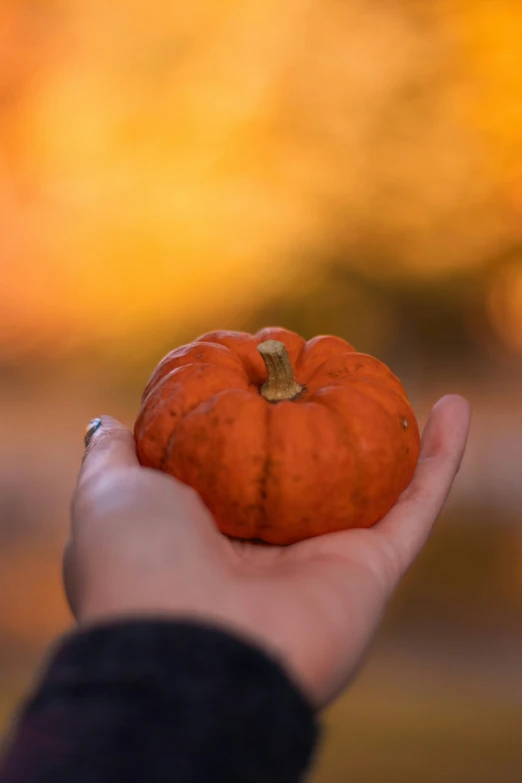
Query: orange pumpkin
<point>283,439</point>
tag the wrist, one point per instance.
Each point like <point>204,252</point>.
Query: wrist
<point>102,613</point>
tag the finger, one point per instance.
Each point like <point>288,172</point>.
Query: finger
<point>111,447</point>
<point>408,525</point>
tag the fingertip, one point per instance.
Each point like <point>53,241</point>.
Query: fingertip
<point>106,427</point>
<point>456,403</point>
<point>447,427</point>
<point>110,443</point>
<point>109,423</point>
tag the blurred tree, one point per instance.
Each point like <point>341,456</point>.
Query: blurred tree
<point>171,166</point>
<point>402,319</point>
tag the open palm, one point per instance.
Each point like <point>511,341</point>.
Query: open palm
<point>143,544</point>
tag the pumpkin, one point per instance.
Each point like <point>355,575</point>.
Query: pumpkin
<point>283,439</point>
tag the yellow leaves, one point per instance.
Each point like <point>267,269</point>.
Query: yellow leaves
<point>172,163</point>
<point>491,34</point>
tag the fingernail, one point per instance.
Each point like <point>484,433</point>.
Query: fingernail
<point>92,427</point>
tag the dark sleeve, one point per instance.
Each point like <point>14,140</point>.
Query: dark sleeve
<point>160,701</point>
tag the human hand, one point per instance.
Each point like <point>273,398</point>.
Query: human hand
<point>143,544</point>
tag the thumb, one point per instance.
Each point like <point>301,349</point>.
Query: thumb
<point>409,523</point>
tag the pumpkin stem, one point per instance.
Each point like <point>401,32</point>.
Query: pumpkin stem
<point>281,384</point>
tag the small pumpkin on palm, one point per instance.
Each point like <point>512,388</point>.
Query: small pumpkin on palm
<point>283,439</point>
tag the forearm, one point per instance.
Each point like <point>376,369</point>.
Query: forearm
<point>162,701</point>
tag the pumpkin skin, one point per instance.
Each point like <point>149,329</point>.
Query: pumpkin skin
<point>336,456</point>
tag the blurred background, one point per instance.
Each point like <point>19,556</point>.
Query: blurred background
<point>349,167</point>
